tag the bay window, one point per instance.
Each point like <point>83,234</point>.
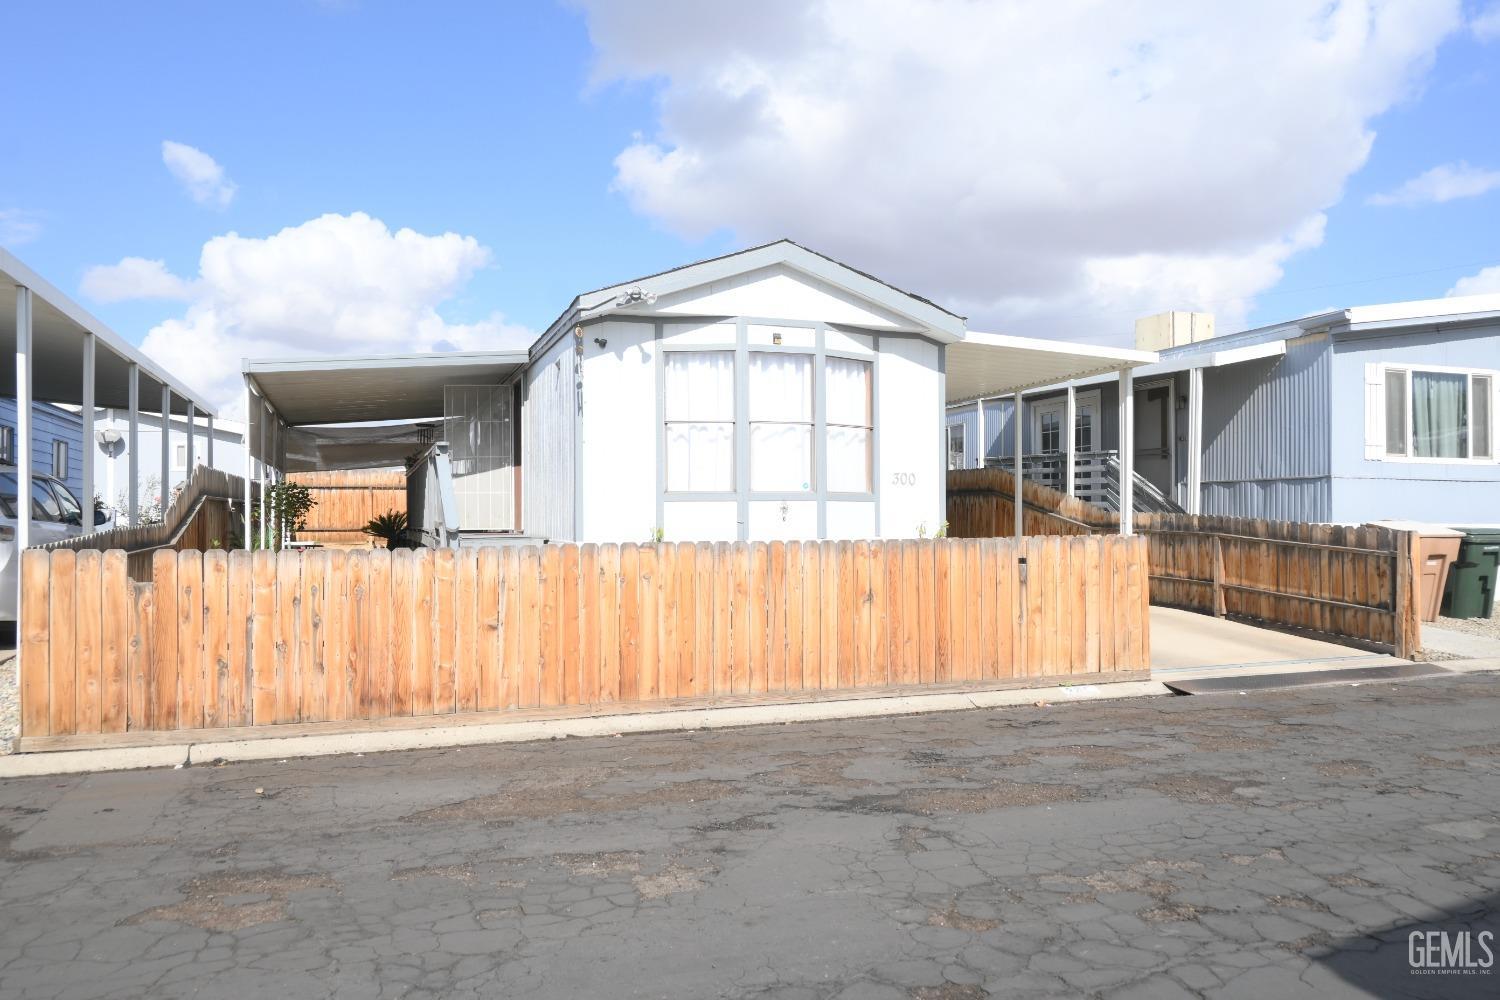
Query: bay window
<point>699,406</point>
<point>781,422</point>
<point>1437,414</point>
<point>850,413</point>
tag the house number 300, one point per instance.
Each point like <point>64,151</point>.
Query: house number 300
<point>903,479</point>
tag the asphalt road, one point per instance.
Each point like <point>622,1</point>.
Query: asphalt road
<point>1231,846</point>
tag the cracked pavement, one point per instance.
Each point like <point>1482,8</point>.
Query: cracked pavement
<point>1225,846</point>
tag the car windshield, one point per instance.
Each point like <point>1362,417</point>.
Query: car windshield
<point>8,494</point>
<point>72,511</point>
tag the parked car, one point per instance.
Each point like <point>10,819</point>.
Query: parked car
<point>55,514</point>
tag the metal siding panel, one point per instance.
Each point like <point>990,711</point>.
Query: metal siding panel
<point>1269,419</point>
<point>547,442</point>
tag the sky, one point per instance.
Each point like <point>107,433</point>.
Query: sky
<point>217,181</point>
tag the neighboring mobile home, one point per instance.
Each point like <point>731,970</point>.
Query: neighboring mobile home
<point>1360,414</point>
<point>773,393</point>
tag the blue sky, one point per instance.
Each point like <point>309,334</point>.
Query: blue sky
<point>1187,157</point>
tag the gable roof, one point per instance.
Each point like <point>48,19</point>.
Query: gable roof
<point>946,326</point>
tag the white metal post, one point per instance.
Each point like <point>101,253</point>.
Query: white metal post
<point>23,422</point>
<point>192,428</point>
<point>249,468</point>
<point>166,449</point>
<point>209,454</point>
<point>1195,441</point>
<point>89,444</point>
<point>1070,431</point>
<point>979,438</point>
<point>265,538</point>
<point>133,459</point>
<point>1127,451</point>
<point>1019,489</point>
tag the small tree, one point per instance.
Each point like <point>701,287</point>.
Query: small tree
<point>287,505</point>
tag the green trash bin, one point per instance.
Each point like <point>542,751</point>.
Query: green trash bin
<point>1470,592</point>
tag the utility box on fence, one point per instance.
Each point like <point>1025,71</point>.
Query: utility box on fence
<point>1471,582</point>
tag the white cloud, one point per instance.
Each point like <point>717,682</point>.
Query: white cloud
<point>199,174</point>
<point>338,284</point>
<point>1486,24</point>
<point>1445,182</point>
<point>18,227</point>
<point>1485,281</point>
<point>1054,169</point>
<point>134,278</point>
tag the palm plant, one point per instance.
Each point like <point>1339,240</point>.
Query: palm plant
<point>390,526</point>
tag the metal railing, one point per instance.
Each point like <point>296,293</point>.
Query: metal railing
<point>1096,479</point>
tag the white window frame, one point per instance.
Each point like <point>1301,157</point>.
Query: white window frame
<point>811,423</point>
<point>963,451</point>
<point>869,428</point>
<point>60,469</point>
<point>1409,370</point>
<point>734,431</point>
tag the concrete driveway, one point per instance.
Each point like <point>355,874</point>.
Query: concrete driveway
<point>1181,639</point>
<point>1280,846</point>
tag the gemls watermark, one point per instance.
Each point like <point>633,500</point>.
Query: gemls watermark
<point>1450,953</point>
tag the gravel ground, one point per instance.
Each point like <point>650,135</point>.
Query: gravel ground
<point>10,702</point>
<point>1488,627</point>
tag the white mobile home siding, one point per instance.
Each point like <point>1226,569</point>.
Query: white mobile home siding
<point>549,426</point>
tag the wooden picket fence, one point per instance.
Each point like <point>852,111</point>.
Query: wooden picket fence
<point>344,502</point>
<point>1354,583</point>
<point>981,505</point>
<point>232,640</point>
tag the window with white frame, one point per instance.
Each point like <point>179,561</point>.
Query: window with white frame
<point>781,422</point>
<point>8,445</point>
<point>179,456</point>
<point>955,446</point>
<point>1434,414</point>
<point>60,459</point>
<point>699,406</point>
<point>850,415</point>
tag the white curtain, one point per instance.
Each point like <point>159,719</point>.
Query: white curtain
<point>781,387</point>
<point>781,413</point>
<point>1439,414</point>
<point>848,392</point>
<point>849,423</point>
<point>699,407</point>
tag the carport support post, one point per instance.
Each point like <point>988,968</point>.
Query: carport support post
<point>23,426</point>
<point>1127,451</point>
<point>133,460</point>
<point>166,449</point>
<point>209,455</point>
<point>979,437</point>
<point>192,451</point>
<point>1019,490</point>
<point>89,444</point>
<point>264,536</point>
<point>1195,442</point>
<point>1070,434</point>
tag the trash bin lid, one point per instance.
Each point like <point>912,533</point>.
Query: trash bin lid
<point>1482,536</point>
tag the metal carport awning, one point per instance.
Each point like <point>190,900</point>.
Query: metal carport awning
<point>984,365</point>
<point>65,355</point>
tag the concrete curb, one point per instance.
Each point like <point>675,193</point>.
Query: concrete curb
<point>83,761</point>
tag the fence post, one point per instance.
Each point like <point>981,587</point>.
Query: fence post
<point>1407,621</point>
<point>1219,606</point>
